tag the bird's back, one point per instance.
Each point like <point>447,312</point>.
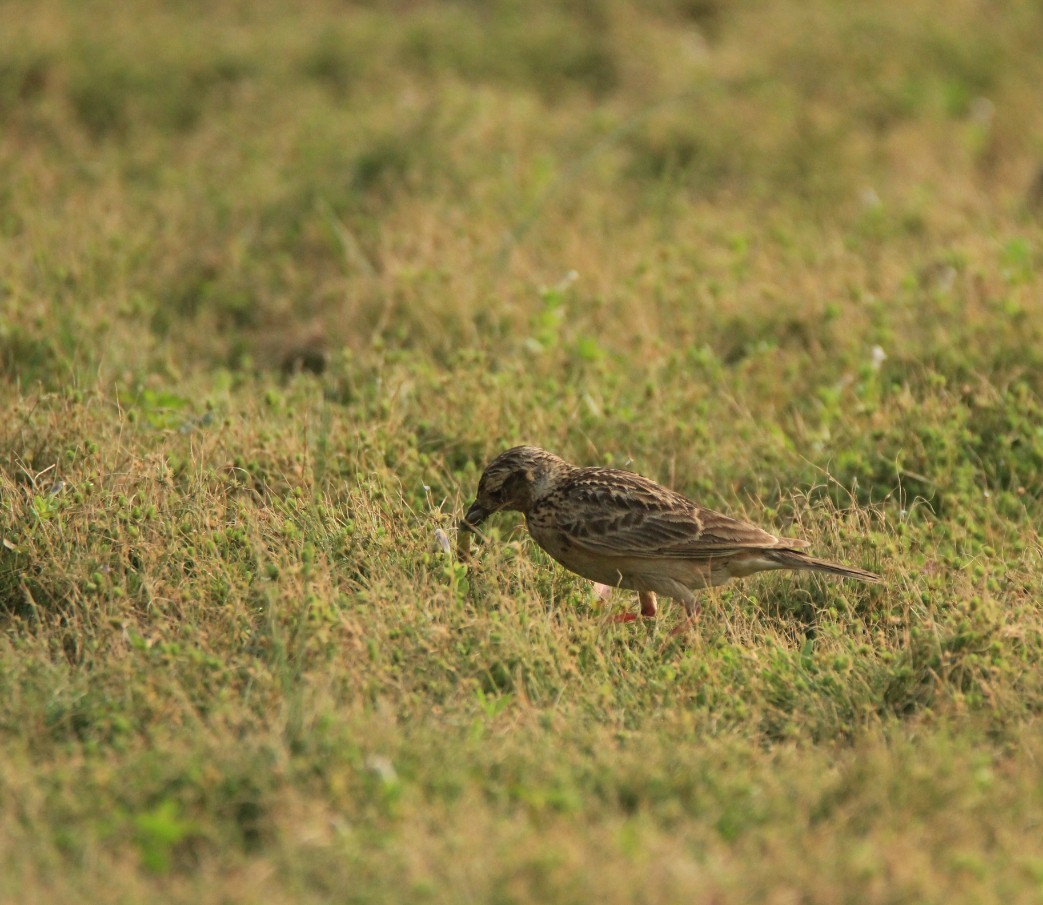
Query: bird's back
<point>610,512</point>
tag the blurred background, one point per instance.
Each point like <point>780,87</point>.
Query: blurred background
<point>261,185</point>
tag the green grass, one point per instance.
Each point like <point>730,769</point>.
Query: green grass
<point>277,280</point>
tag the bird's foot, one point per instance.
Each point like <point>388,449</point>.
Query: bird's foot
<point>688,624</point>
<point>648,609</point>
<point>620,618</point>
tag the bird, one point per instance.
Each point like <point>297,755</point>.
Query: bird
<point>620,529</point>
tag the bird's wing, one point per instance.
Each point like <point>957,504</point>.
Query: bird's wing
<point>614,513</point>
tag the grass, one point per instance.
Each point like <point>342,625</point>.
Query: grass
<point>277,281</point>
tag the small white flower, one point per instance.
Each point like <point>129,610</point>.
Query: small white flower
<point>382,768</point>
<point>982,111</point>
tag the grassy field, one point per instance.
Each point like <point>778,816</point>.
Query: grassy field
<point>277,280</point>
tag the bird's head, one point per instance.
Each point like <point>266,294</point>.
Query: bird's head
<point>514,480</point>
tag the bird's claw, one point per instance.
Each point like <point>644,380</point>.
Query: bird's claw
<point>688,624</point>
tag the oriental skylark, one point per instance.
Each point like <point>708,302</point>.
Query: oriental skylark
<point>623,530</point>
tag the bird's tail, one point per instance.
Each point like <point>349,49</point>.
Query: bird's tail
<point>794,559</point>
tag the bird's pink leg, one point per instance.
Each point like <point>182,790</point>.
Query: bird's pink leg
<point>692,611</point>
<point>648,608</point>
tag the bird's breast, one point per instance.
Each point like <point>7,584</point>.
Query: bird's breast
<point>575,558</point>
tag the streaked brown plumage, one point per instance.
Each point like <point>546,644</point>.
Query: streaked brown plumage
<point>626,531</point>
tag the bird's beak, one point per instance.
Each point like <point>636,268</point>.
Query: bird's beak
<point>475,516</point>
